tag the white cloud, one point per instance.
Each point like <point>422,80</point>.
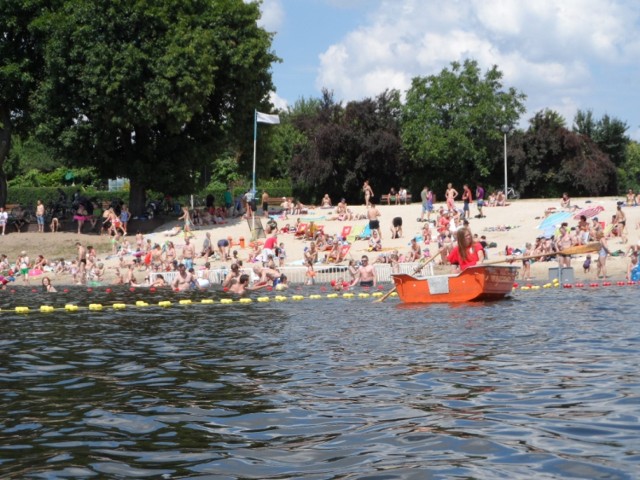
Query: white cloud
<point>553,51</point>
<point>278,102</point>
<point>272,15</point>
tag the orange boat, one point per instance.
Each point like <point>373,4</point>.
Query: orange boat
<point>473,284</point>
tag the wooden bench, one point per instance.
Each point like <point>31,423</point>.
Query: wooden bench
<point>391,199</point>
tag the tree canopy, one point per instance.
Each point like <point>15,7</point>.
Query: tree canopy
<point>152,89</point>
<point>451,123</point>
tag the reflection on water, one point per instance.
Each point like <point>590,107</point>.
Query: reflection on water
<point>542,385</point>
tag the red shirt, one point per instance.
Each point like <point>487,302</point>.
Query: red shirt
<point>270,243</point>
<point>472,256</point>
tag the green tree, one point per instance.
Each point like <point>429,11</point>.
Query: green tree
<point>21,62</point>
<point>153,89</point>
<point>452,123</point>
<point>629,172</point>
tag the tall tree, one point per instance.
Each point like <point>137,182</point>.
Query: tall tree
<point>343,146</point>
<point>152,89</point>
<point>548,159</point>
<point>21,62</point>
<point>452,122</point>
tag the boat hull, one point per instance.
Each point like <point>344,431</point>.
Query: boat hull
<point>473,284</point>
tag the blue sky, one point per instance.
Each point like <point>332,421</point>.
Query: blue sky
<point>564,55</point>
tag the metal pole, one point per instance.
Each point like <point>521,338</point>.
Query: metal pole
<point>506,194</point>
<point>255,140</point>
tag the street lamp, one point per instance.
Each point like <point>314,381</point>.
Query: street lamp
<point>505,129</point>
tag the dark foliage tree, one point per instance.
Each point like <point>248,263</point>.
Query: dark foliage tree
<point>346,145</point>
<point>548,159</point>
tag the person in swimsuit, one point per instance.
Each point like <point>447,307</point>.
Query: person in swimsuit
<point>451,194</point>
<point>372,214</point>
<point>366,274</point>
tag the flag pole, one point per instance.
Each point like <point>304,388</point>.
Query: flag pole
<point>253,186</point>
<point>255,141</point>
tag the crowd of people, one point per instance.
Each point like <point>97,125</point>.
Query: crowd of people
<point>445,235</point>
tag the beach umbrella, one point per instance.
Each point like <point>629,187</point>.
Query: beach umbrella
<point>554,219</point>
<point>589,212</point>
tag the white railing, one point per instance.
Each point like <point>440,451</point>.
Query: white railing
<point>324,273</point>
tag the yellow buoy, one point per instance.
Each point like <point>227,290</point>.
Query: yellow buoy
<point>95,306</point>
<point>377,294</point>
<point>263,299</point>
<point>119,306</point>
<point>141,303</point>
<point>226,300</point>
<point>297,297</point>
<point>315,297</point>
<point>280,298</point>
<point>70,307</point>
<point>46,308</point>
<point>363,295</point>
<point>164,303</point>
<point>347,295</point>
<point>332,295</point>
<point>185,301</point>
<point>245,300</point>
<point>206,301</point>
<point>22,309</point>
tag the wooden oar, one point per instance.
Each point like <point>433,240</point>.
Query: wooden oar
<point>577,250</point>
<point>418,268</point>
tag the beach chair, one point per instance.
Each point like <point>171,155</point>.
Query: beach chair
<point>342,253</point>
<point>366,233</point>
<point>346,230</point>
<point>301,231</point>
<point>357,230</point>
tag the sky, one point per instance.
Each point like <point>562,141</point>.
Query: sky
<point>564,55</point>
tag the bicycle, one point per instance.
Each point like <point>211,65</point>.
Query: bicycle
<point>512,193</point>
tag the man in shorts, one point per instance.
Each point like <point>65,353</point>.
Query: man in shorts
<point>372,214</point>
<point>366,274</point>
<point>427,203</point>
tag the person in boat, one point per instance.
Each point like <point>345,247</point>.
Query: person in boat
<point>467,252</point>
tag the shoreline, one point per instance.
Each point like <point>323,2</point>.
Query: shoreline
<point>509,226</point>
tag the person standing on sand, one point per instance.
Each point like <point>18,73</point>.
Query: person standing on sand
<point>368,193</point>
<point>450,195</point>
<point>265,204</point>
<point>4,218</point>
<point>480,200</point>
<point>426,197</point>
<point>564,241</point>
<point>40,216</point>
<point>372,214</point>
<point>467,198</point>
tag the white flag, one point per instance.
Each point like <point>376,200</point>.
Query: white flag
<point>266,118</point>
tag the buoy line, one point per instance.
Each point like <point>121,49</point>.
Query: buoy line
<point>97,307</point>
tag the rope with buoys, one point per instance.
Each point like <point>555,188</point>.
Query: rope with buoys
<point>97,307</point>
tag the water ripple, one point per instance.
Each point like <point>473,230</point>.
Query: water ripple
<point>542,386</point>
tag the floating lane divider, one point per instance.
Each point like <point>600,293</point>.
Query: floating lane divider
<point>185,302</point>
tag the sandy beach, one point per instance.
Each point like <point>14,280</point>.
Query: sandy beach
<point>513,225</point>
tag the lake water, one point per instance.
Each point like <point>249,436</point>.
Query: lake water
<point>543,385</point>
